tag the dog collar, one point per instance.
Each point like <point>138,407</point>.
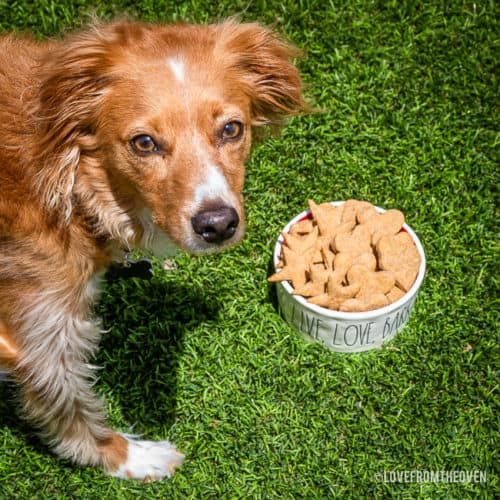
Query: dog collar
<point>130,268</point>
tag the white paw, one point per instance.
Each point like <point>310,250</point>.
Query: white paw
<point>149,460</point>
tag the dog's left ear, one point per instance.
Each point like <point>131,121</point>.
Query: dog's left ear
<point>263,64</point>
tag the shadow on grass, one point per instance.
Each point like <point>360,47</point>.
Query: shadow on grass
<point>140,355</point>
<point>9,417</point>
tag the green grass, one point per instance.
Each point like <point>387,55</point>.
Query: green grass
<point>201,356</point>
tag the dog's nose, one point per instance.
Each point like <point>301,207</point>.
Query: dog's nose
<point>217,225</point>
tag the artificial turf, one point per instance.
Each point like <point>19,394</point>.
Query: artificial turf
<point>200,354</point>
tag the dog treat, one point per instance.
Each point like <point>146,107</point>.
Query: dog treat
<point>301,244</point>
<point>370,282</point>
<point>395,294</point>
<point>386,224</point>
<point>339,291</point>
<point>324,300</point>
<point>367,260</point>
<point>375,301</point>
<point>295,268</point>
<point>352,209</point>
<point>328,218</point>
<point>319,273</point>
<point>311,289</point>
<point>356,242</point>
<point>302,227</point>
<point>397,253</point>
<point>349,257</point>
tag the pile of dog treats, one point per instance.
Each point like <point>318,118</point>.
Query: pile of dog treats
<point>349,257</point>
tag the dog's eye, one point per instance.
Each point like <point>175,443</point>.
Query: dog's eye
<point>232,131</point>
<point>144,144</point>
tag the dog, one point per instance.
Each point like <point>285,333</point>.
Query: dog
<point>124,135</point>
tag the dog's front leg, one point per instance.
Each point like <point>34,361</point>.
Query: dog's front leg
<point>56,381</point>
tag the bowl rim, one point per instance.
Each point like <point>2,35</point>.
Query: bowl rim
<point>364,315</point>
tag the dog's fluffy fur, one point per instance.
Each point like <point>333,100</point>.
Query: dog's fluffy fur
<point>126,135</point>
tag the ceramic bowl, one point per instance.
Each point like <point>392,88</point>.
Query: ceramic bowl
<point>346,331</point>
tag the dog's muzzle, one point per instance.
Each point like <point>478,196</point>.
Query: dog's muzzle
<point>216,225</point>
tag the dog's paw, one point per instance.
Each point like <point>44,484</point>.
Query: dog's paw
<point>148,460</point>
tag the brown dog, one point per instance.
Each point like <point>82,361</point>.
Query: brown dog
<point>124,136</point>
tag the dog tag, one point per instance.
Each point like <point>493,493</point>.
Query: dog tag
<point>130,268</point>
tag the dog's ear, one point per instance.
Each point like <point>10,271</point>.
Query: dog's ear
<point>75,77</point>
<point>263,64</point>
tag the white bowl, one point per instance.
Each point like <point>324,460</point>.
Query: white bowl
<point>346,331</point>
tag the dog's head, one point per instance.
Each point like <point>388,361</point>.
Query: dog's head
<point>148,126</point>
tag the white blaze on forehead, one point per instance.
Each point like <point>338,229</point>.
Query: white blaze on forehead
<point>177,67</point>
<point>213,186</point>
